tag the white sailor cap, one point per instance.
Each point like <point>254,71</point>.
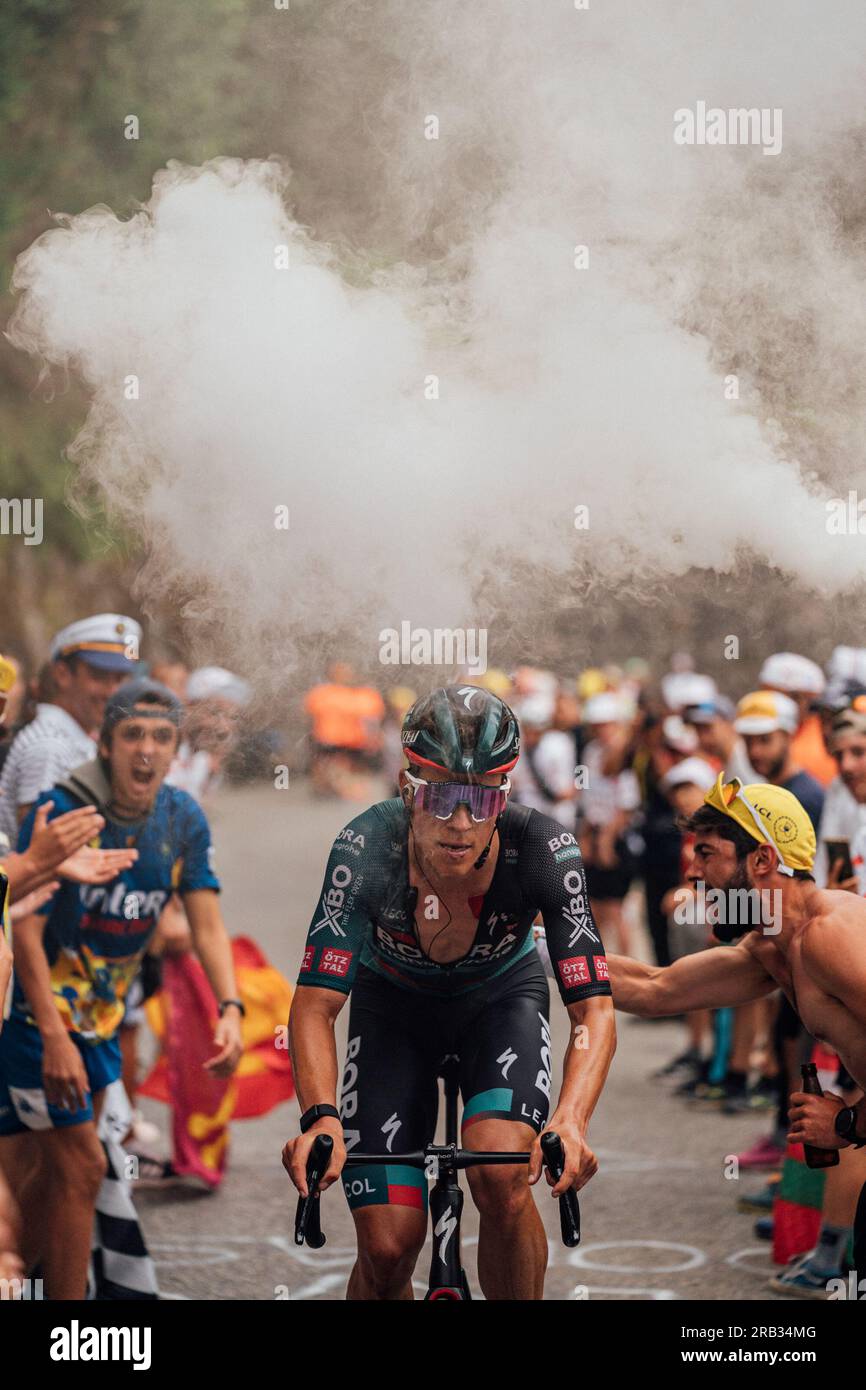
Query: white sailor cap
<point>108,641</point>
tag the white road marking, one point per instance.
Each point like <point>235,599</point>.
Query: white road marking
<point>694,1258</point>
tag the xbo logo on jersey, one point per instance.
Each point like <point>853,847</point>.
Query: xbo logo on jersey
<point>332,901</point>
<point>577,912</point>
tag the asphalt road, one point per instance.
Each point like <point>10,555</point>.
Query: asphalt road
<point>659,1218</point>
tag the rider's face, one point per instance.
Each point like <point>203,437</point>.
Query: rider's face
<point>451,846</point>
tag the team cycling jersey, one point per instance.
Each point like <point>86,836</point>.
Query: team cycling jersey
<point>366,913</point>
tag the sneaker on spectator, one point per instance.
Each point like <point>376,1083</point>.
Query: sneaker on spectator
<point>761,1201</point>
<point>763,1228</point>
<point>765,1153</point>
<point>802,1279</point>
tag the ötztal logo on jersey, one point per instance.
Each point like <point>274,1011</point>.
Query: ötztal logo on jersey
<point>335,962</point>
<point>574,971</point>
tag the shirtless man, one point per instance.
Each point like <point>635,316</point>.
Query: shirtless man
<point>812,944</point>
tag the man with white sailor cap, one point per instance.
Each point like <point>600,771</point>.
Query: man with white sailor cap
<point>89,659</point>
<point>803,681</point>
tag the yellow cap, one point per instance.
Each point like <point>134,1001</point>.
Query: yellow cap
<point>772,815</point>
<point>8,675</point>
<point>496,681</point>
<point>401,698</point>
<point>591,682</point>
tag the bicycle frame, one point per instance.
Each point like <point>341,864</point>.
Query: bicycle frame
<point>447,1276</point>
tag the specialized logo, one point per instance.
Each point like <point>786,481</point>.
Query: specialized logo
<point>601,968</point>
<point>332,901</point>
<point>409,735</point>
<point>445,1227</point>
<point>574,971</point>
<point>390,1128</point>
<point>335,962</point>
<point>307,962</point>
<point>506,1060</point>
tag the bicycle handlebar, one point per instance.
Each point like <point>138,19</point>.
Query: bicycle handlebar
<point>308,1221</point>
<point>569,1207</point>
<point>308,1225</point>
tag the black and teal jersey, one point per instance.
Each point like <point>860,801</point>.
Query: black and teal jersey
<point>366,911</point>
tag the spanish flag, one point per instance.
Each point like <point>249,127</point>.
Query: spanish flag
<point>183,1014</point>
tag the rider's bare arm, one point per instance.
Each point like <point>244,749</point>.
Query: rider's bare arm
<point>591,1045</point>
<point>715,979</point>
<point>313,1050</point>
<point>312,1046</point>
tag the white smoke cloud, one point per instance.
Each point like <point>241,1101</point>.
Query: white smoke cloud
<point>558,387</point>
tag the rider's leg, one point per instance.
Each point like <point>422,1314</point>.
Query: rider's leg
<point>512,1245</point>
<point>388,1103</point>
<point>390,1239</point>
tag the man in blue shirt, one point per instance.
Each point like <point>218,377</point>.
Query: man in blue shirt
<point>77,956</point>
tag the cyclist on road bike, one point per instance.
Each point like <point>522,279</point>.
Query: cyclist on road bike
<point>426,917</point>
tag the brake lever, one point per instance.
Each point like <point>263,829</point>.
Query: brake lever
<point>569,1207</point>
<point>308,1226</point>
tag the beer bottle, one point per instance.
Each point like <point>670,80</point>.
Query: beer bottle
<point>816,1158</point>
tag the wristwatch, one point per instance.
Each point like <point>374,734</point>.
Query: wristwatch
<point>317,1112</point>
<point>845,1125</point>
<point>238,1005</point>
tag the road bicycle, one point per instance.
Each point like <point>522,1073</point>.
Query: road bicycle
<point>441,1162</point>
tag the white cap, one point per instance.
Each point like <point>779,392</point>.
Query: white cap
<point>608,707</point>
<point>214,682</point>
<point>765,712</point>
<point>681,688</point>
<point>536,711</point>
<point>108,641</point>
<point>848,664</point>
<point>788,671</point>
<point>692,772</point>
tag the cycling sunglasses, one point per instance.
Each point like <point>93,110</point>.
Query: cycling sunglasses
<point>441,799</point>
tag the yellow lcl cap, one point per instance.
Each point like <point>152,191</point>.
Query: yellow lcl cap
<point>772,815</point>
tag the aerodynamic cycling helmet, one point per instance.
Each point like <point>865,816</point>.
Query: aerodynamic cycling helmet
<point>462,729</point>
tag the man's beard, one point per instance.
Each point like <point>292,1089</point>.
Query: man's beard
<point>728,931</point>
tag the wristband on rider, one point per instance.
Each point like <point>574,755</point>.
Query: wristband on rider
<point>845,1125</point>
<point>317,1112</point>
